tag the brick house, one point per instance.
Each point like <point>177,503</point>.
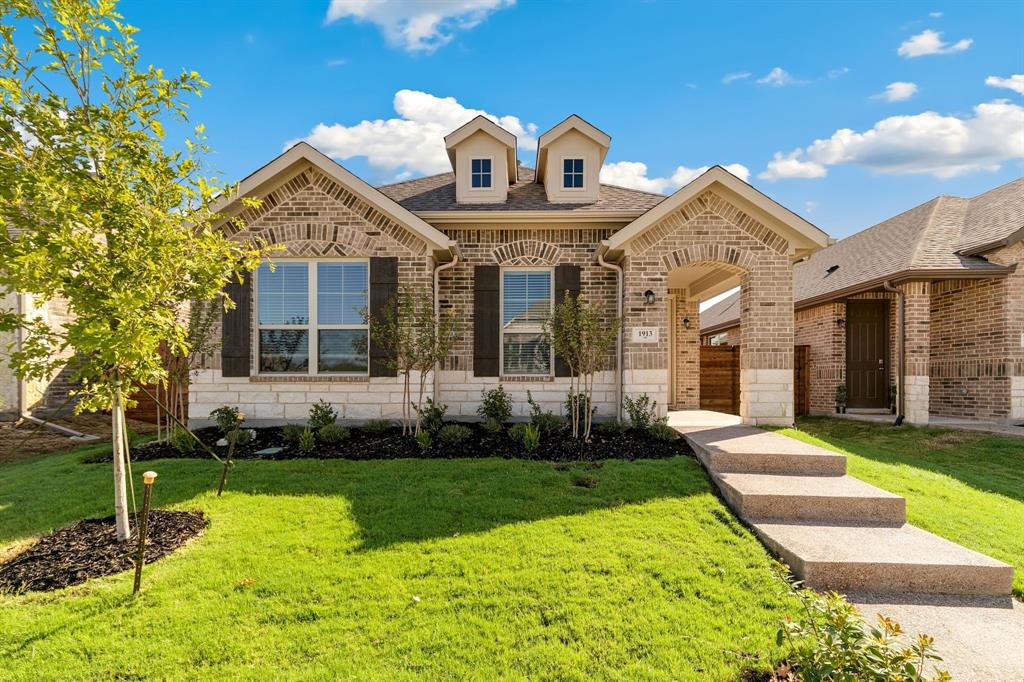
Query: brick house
<point>498,244</point>
<point>941,281</point>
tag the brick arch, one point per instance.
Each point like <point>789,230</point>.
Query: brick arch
<point>738,259</point>
<point>527,252</point>
<point>303,239</point>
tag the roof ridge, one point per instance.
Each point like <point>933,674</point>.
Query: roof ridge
<point>996,189</point>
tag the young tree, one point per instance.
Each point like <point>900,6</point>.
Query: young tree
<point>97,211</point>
<point>415,341</point>
<point>582,336</point>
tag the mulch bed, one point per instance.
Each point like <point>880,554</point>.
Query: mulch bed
<point>89,549</point>
<point>391,444</point>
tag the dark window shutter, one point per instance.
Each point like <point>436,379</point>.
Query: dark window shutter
<point>486,320</point>
<point>567,281</point>
<point>236,329</point>
<point>383,290</point>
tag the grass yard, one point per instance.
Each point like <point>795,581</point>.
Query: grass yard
<point>963,485</point>
<point>402,569</point>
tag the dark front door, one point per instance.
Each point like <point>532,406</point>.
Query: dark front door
<point>867,354</point>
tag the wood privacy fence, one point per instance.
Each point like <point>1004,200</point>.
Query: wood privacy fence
<point>720,379</point>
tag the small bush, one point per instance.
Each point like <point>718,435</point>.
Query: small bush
<point>451,435</point>
<point>531,438</point>
<point>245,436</point>
<point>292,432</point>
<point>321,414</point>
<point>495,408</point>
<point>582,400</point>
<point>831,641</point>
<point>547,422</point>
<point>432,416</point>
<point>332,434</point>
<point>610,429</point>
<point>659,430</point>
<point>307,441</point>
<point>377,427</point>
<point>493,427</point>
<point>227,418</point>
<point>517,432</point>
<point>642,411</point>
<point>423,440</point>
<point>182,440</point>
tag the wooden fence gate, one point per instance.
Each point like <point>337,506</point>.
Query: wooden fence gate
<point>720,379</point>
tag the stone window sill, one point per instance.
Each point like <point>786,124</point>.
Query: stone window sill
<point>307,379</point>
<point>526,379</point>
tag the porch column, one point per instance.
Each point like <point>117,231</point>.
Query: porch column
<point>917,350</point>
<point>686,365</point>
<point>766,347</point>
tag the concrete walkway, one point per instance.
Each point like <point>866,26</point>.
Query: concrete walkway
<point>940,422</point>
<point>839,533</point>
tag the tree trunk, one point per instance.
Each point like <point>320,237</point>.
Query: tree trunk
<point>120,460</point>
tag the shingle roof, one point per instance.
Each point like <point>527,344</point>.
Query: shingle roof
<point>928,237</point>
<point>437,193</point>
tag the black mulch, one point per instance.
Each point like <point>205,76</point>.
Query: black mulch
<point>391,444</point>
<point>89,549</point>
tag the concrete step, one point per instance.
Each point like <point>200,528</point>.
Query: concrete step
<point>823,498</point>
<point>883,560</point>
<point>745,449</point>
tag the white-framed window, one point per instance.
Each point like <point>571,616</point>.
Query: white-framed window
<point>309,316</point>
<point>572,173</point>
<point>480,173</point>
<point>527,299</point>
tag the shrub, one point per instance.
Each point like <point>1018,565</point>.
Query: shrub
<point>182,440</point>
<point>517,432</point>
<point>307,441</point>
<point>291,432</point>
<point>831,641</point>
<point>611,429</point>
<point>659,430</point>
<point>423,440</point>
<point>584,403</point>
<point>227,418</point>
<point>377,427</point>
<point>531,437</point>
<point>547,422</point>
<point>432,416</point>
<point>245,436</point>
<point>321,414</point>
<point>333,434</point>
<point>495,408</point>
<point>642,411</point>
<point>453,434</point>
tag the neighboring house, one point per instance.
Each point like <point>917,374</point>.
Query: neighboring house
<point>498,244</point>
<point>943,283</point>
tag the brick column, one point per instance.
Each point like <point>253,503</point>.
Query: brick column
<point>766,349</point>
<point>687,353</point>
<point>917,349</point>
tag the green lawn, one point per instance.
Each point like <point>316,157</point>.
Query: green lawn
<point>461,569</point>
<point>963,485</point>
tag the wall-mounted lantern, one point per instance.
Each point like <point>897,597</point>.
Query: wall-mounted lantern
<point>840,322</point>
<point>648,297</point>
<point>686,323</point>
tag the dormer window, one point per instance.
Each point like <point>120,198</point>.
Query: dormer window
<point>480,171</point>
<point>572,173</point>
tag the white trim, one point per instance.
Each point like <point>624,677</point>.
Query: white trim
<point>303,151</point>
<point>538,329</point>
<point>490,174</point>
<point>313,326</point>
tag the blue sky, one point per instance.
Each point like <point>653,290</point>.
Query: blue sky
<point>651,74</point>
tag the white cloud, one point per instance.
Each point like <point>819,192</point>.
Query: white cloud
<point>1014,82</point>
<point>809,206</point>
<point>334,63</point>
<point>935,15</point>
<point>930,42</point>
<point>837,73</point>
<point>633,174</point>
<point>777,77</point>
<point>416,26</point>
<point>730,78</point>
<point>898,91</point>
<point>414,142</point>
<point>943,146</point>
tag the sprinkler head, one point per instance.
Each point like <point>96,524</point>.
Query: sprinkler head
<point>149,477</point>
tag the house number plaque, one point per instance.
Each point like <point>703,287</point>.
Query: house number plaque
<point>645,334</point>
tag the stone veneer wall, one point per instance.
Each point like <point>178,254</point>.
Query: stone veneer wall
<point>523,244</point>
<point>818,328</point>
<point>917,351</point>
<point>312,216</point>
<point>687,358</point>
<point>710,229</point>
